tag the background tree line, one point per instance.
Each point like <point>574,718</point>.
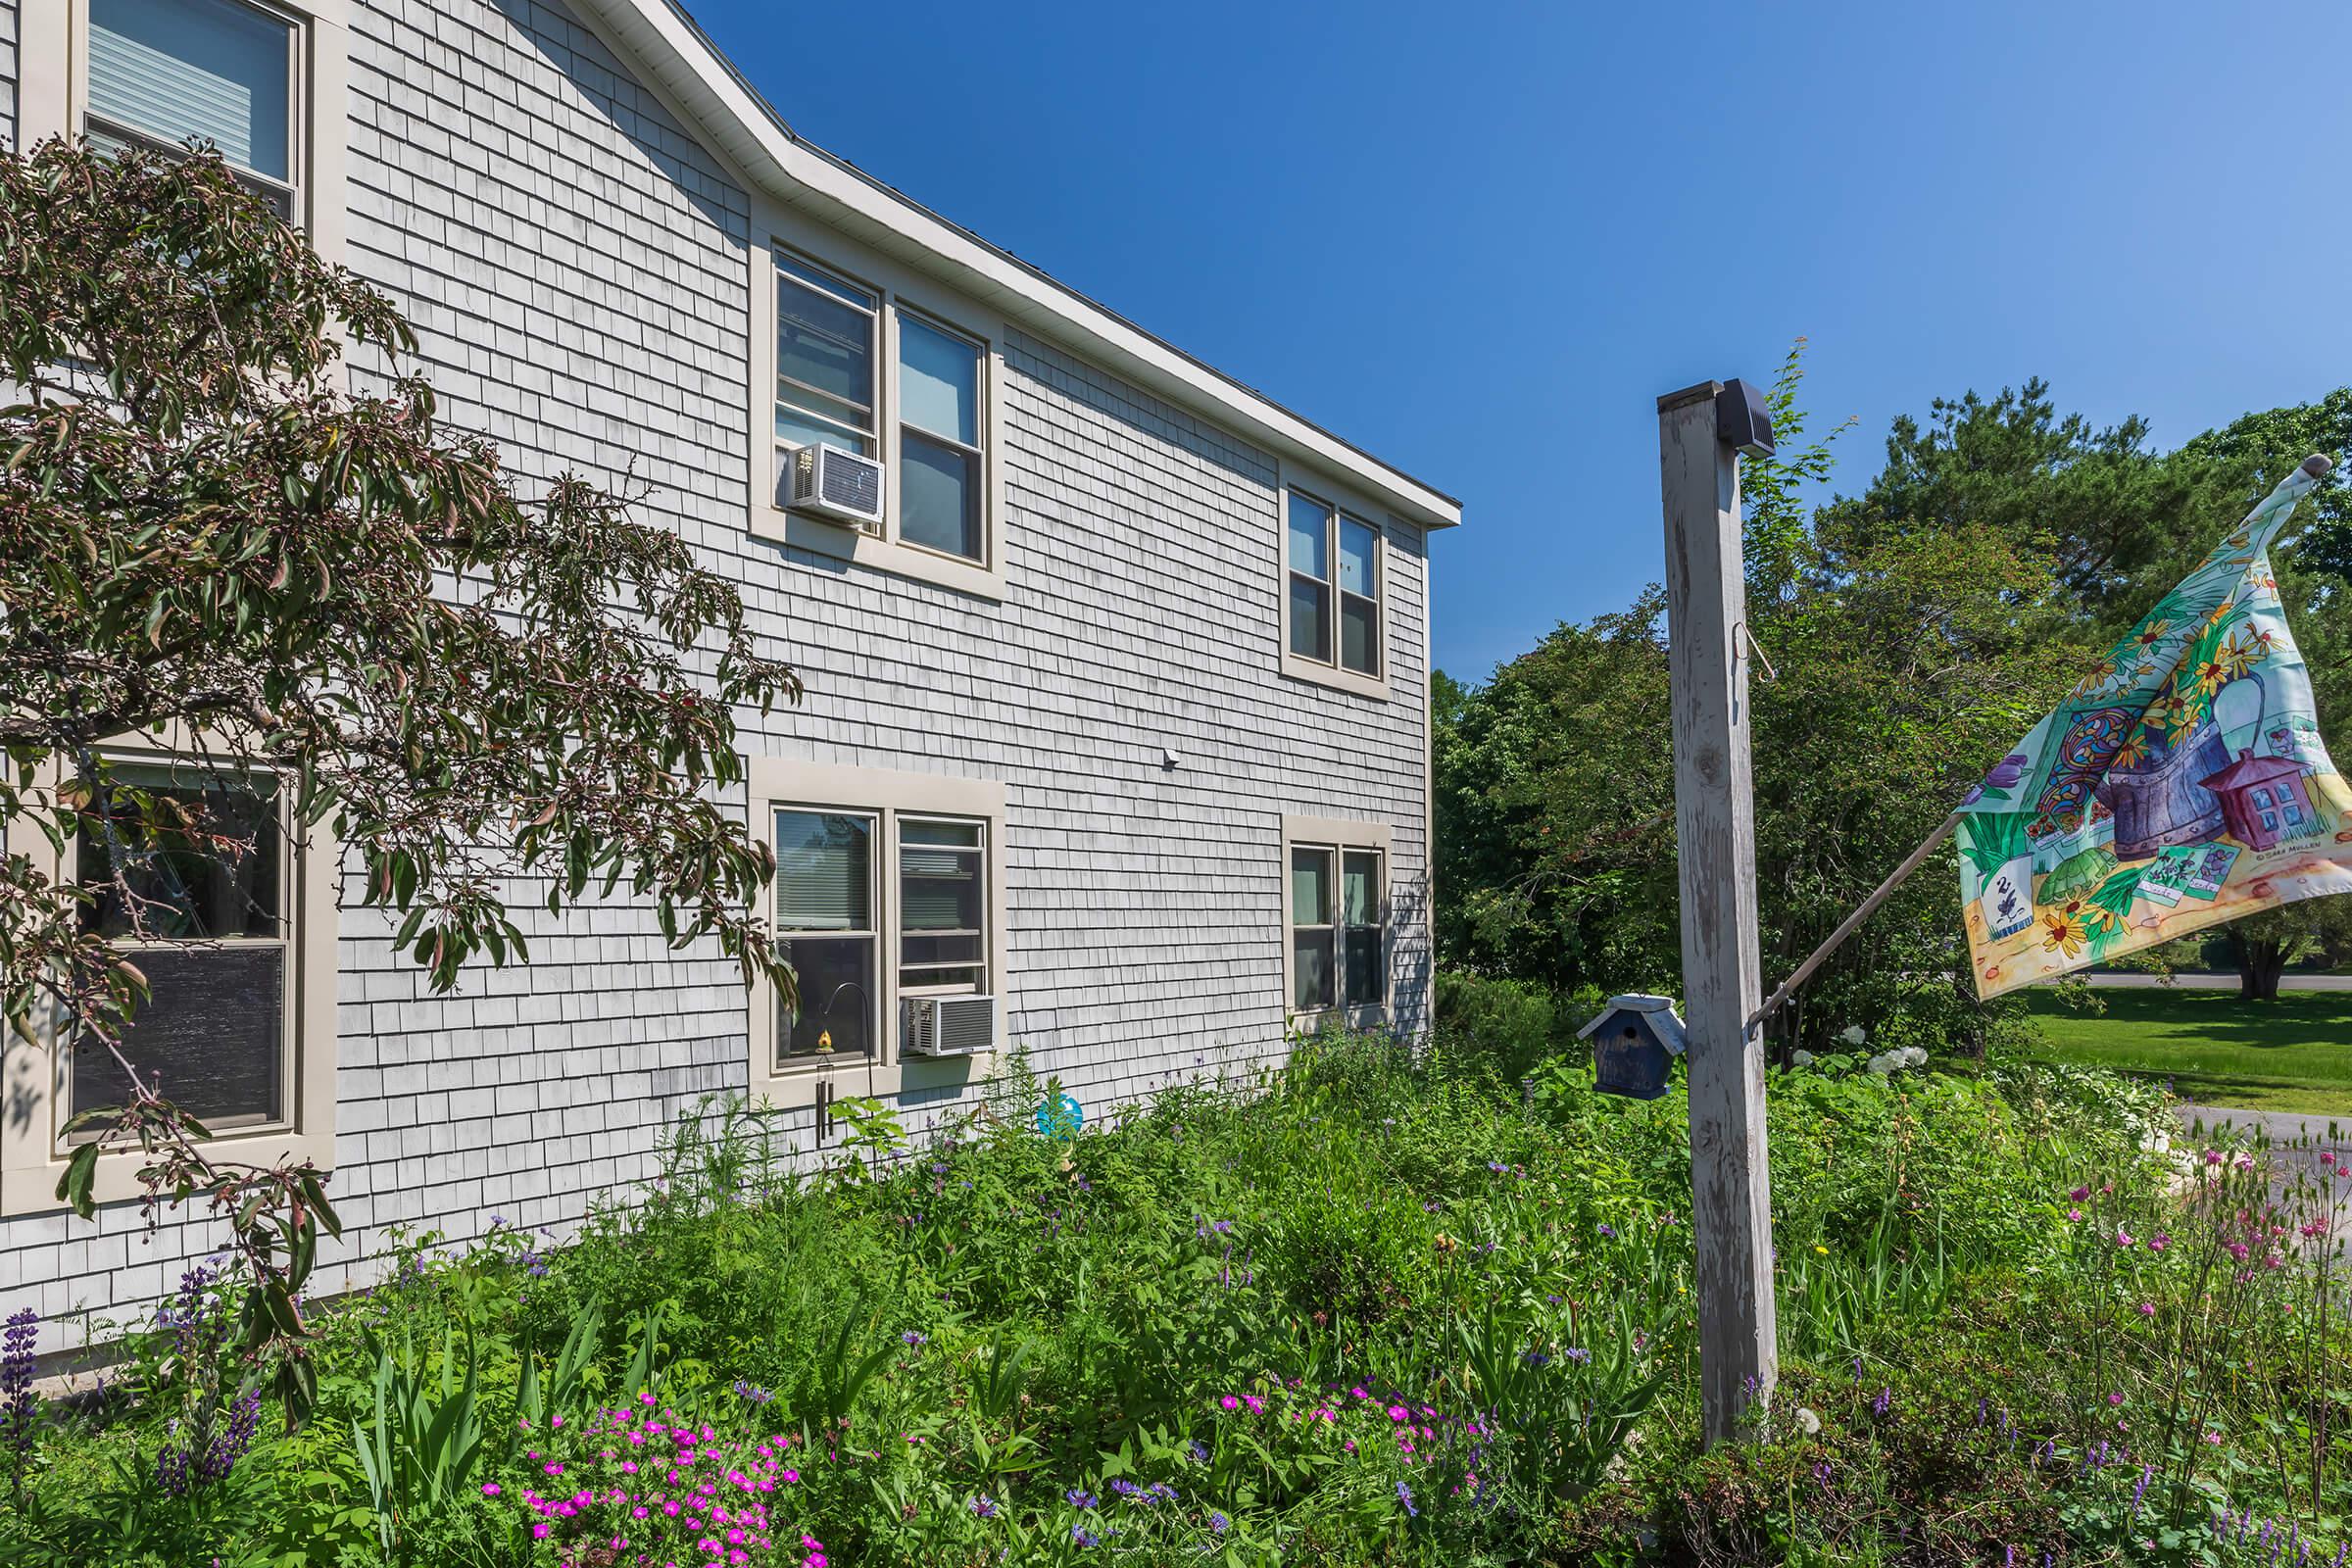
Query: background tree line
<point>1917,629</point>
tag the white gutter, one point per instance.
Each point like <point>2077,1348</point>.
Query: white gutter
<point>743,127</point>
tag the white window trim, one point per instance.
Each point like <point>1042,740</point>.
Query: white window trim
<point>1339,835</point>
<point>899,290</point>
<point>1340,499</point>
<point>887,794</point>
<point>52,93</point>
<point>31,1159</point>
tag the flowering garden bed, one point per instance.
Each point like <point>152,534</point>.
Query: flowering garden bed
<point>1372,1312</point>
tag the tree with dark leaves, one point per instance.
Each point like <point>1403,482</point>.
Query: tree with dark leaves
<point>211,541</point>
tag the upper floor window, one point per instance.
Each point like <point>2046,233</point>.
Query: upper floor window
<point>163,72</point>
<point>825,384</point>
<point>856,368</point>
<point>1334,587</point>
<point>939,439</point>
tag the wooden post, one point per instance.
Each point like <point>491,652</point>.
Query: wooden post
<point>1706,611</point>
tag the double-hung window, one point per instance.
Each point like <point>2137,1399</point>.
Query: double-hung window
<point>888,891</point>
<point>1337,897</point>
<point>857,368</point>
<point>943,904</point>
<point>826,931</point>
<point>1314,931</point>
<point>825,384</point>
<point>201,875</point>
<point>939,439</point>
<point>190,875</point>
<point>161,72</point>
<point>1334,587</point>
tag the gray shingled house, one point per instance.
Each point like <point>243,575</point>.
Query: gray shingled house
<point>1115,745</point>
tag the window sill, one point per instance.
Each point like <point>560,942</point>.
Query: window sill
<point>32,1188</point>
<point>1375,1016</point>
<point>1340,680</point>
<point>844,543</point>
<point>793,1087</point>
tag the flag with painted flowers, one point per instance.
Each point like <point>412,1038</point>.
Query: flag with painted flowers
<point>2180,785</point>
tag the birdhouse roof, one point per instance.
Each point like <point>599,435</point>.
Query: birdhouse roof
<point>1656,1015</point>
<point>2251,770</point>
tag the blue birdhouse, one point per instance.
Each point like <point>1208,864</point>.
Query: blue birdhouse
<point>1635,1042</point>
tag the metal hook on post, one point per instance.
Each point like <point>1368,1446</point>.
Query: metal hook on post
<point>1771,675</point>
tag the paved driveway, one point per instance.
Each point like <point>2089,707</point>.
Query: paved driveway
<point>2298,1140</point>
<point>2224,982</point>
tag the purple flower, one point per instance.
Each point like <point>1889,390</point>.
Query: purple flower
<point>984,1506</point>
<point>17,1402</point>
<point>1218,1522</point>
<point>1080,1500</point>
<point>1404,1496</point>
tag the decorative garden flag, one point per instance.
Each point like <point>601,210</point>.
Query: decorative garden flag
<point>2182,783</point>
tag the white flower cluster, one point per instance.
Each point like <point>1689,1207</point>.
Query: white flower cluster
<point>1887,1061</point>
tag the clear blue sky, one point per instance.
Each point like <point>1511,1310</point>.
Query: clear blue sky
<point>1480,240</point>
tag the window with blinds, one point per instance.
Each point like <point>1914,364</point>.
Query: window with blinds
<point>943,903</point>
<point>165,73</point>
<point>189,873</point>
<point>826,931</point>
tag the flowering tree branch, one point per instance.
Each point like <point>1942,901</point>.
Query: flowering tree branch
<point>207,536</point>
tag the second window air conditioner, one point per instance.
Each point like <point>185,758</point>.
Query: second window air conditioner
<point>839,484</point>
<point>950,1026</point>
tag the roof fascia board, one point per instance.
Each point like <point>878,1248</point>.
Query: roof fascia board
<point>746,130</point>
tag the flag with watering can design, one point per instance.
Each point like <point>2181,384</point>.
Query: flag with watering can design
<point>2182,784</point>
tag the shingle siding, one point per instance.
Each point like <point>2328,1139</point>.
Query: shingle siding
<point>577,271</point>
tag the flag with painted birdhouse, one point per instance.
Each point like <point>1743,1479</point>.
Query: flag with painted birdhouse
<point>2182,784</point>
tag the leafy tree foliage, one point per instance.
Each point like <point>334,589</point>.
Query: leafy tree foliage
<point>208,538</point>
<point>1917,629</point>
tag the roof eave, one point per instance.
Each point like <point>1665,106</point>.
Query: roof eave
<point>745,128</point>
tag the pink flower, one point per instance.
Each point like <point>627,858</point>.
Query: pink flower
<point>2147,1309</point>
<point>489,1489</point>
<point>2115,1399</point>
<point>790,1476</point>
<point>2158,1242</point>
<point>1397,1412</point>
<point>2074,1213</point>
<point>2123,1238</point>
<point>1230,1403</point>
<point>2080,1194</point>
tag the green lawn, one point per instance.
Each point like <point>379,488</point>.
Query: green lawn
<point>2295,1054</point>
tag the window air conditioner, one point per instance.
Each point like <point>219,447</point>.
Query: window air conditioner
<point>838,484</point>
<point>950,1026</point>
